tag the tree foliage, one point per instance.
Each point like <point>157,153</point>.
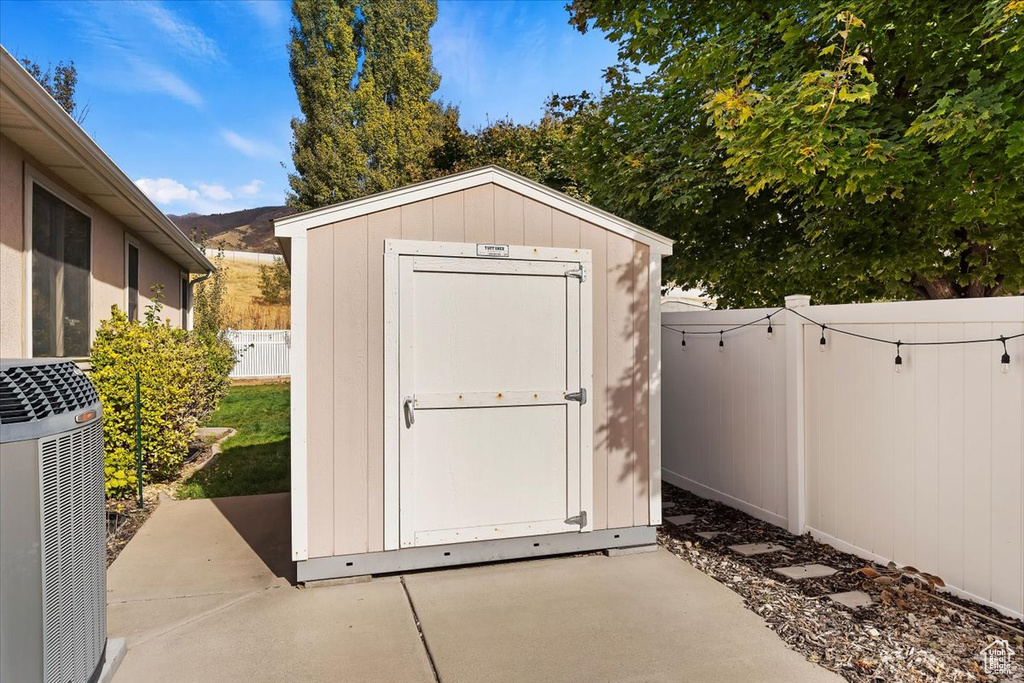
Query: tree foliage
<point>536,151</point>
<point>364,78</point>
<point>60,81</point>
<point>208,298</point>
<point>276,282</point>
<point>848,150</point>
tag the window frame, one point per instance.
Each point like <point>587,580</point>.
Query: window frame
<point>34,177</point>
<point>130,241</point>
<point>184,289</point>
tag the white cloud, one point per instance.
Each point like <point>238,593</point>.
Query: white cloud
<point>187,38</point>
<point>150,77</point>
<point>458,47</point>
<point>166,190</point>
<point>251,188</point>
<point>247,146</point>
<point>176,197</point>
<point>215,192</point>
<point>270,13</point>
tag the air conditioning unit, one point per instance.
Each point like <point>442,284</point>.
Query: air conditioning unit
<point>53,608</point>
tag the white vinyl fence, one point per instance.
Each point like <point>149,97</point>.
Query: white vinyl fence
<point>261,353</point>
<point>261,258</point>
<point>923,467</point>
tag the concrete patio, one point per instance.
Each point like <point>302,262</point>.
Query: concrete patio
<point>204,592</point>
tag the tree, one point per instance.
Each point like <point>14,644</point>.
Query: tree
<point>364,78</point>
<point>60,81</point>
<point>851,151</point>
<point>329,164</point>
<point>535,151</point>
<point>276,282</point>
<point>208,297</point>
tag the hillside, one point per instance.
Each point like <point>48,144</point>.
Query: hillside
<point>245,230</point>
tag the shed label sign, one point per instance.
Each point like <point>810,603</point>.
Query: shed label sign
<point>494,250</point>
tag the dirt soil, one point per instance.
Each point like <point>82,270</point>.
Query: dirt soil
<point>924,640</point>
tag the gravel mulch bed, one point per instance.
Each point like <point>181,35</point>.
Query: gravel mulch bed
<point>124,519</point>
<point>924,641</point>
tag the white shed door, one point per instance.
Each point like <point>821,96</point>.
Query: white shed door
<point>489,444</point>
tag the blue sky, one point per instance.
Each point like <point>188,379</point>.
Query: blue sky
<point>193,99</point>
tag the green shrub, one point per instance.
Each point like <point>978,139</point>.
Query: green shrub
<point>183,376</point>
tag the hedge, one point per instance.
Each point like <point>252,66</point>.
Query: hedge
<point>183,376</point>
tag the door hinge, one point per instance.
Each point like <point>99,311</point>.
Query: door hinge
<point>580,519</point>
<point>578,273</point>
<point>580,396</point>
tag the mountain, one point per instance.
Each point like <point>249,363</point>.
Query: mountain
<point>245,230</point>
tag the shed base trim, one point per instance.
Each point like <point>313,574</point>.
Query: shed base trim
<point>453,554</point>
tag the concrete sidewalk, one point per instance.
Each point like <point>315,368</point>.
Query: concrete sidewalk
<point>203,593</point>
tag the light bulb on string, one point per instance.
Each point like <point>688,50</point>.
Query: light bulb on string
<point>899,359</point>
<point>1004,361</point>
<point>821,342</point>
<point>721,341</point>
<point>769,328</point>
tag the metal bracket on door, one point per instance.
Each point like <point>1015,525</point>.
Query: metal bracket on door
<point>580,519</point>
<point>578,273</point>
<point>580,396</point>
<point>410,411</point>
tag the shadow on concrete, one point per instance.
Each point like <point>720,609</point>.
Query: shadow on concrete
<point>264,523</point>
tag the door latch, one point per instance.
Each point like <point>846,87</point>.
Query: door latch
<point>578,273</point>
<point>580,396</point>
<point>410,411</point>
<point>580,519</point>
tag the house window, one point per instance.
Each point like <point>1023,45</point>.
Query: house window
<point>184,302</point>
<point>133,282</point>
<point>60,277</point>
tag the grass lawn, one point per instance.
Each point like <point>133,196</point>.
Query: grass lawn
<point>255,460</point>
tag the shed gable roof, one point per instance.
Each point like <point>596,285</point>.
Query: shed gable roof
<point>297,224</point>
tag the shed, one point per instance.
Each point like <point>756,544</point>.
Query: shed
<point>475,377</point>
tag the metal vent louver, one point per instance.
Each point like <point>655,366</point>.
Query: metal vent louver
<point>33,392</point>
<point>73,554</point>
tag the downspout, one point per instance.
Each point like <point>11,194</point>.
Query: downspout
<point>191,295</point>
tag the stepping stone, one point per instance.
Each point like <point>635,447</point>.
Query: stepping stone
<point>852,599</point>
<point>679,520</point>
<point>708,534</point>
<point>805,571</point>
<point>667,506</point>
<point>748,549</point>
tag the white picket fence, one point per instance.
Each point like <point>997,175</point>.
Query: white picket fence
<point>261,353</point>
<point>922,467</point>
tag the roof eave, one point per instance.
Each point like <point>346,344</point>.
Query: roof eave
<point>53,120</point>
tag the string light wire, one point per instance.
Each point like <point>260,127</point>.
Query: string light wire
<point>1004,359</point>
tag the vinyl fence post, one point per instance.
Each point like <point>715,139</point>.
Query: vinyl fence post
<point>138,436</point>
<point>795,453</point>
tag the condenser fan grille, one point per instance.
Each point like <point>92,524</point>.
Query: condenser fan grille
<point>34,392</point>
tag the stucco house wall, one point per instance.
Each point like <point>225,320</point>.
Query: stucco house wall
<point>107,284</point>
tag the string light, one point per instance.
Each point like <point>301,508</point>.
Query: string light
<point>1004,359</point>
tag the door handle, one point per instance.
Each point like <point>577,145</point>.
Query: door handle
<point>410,411</point>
